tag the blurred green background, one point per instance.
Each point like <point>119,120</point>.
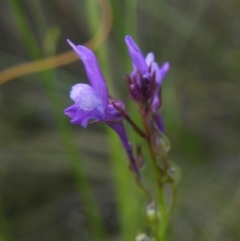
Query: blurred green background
<point>61,182</point>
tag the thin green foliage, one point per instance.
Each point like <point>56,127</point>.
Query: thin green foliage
<point>24,29</point>
<point>50,87</point>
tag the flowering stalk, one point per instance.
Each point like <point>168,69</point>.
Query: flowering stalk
<point>145,85</point>
<point>93,104</point>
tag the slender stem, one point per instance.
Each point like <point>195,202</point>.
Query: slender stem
<point>136,128</point>
<point>163,152</point>
<point>143,188</point>
<point>164,213</point>
<point>161,231</point>
<point>150,147</point>
<point>130,121</point>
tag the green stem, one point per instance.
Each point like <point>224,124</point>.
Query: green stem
<point>164,213</point>
<point>130,121</point>
<point>150,147</point>
<point>161,230</point>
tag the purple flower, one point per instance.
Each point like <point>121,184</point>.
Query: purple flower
<point>145,81</point>
<point>93,101</point>
<point>146,78</point>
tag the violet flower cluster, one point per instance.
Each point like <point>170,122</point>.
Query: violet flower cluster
<point>145,81</point>
<point>92,103</point>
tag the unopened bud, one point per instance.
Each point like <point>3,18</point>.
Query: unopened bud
<point>164,143</point>
<point>139,159</point>
<point>152,215</point>
<point>161,142</point>
<point>142,237</point>
<point>174,173</point>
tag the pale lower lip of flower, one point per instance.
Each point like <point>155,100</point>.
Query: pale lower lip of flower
<point>84,97</point>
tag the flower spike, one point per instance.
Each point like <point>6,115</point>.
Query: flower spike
<point>146,78</point>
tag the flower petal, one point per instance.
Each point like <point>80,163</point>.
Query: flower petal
<point>93,71</point>
<point>136,55</point>
<point>156,103</point>
<point>71,111</point>
<point>159,121</point>
<point>160,72</point>
<point>149,59</point>
<point>164,69</point>
<point>113,114</point>
<point>80,116</point>
<point>120,130</point>
<point>86,99</point>
<point>155,68</point>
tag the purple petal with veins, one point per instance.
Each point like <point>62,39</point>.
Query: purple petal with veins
<point>93,102</point>
<point>90,101</point>
<point>93,72</point>
<point>136,55</point>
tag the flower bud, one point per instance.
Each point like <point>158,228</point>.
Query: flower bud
<point>152,214</point>
<point>160,141</point>
<point>142,237</point>
<point>174,173</point>
<point>140,161</point>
